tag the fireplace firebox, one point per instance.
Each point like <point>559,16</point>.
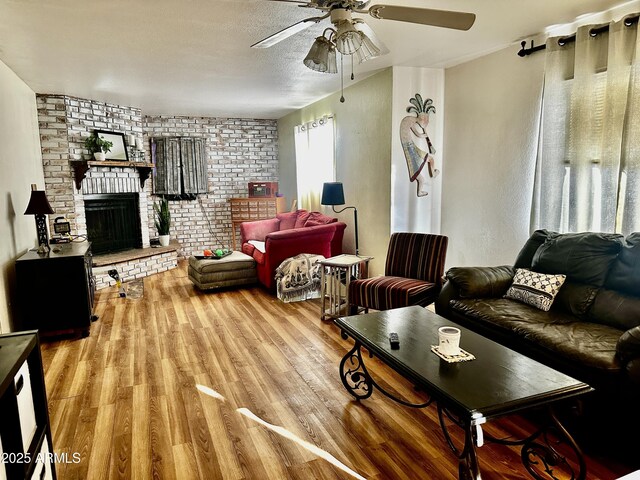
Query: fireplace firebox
<point>113,222</point>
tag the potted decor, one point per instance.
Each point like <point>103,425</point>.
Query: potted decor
<point>163,221</point>
<point>98,146</point>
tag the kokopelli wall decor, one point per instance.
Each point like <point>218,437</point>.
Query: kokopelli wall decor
<point>418,150</point>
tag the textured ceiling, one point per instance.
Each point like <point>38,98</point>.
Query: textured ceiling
<point>192,57</point>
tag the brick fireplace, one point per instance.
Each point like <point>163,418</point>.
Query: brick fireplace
<point>64,124</point>
<point>239,151</point>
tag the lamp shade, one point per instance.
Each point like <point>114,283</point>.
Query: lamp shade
<point>348,39</point>
<point>322,56</point>
<point>332,194</point>
<point>38,203</point>
<point>367,50</point>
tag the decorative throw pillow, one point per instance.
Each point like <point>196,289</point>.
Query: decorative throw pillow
<point>301,219</point>
<point>317,218</point>
<point>287,220</point>
<point>535,289</point>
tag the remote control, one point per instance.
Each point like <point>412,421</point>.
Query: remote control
<point>394,340</point>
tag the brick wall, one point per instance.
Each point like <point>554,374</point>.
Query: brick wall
<point>239,150</point>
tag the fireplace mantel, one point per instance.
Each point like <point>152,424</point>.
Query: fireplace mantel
<point>81,167</point>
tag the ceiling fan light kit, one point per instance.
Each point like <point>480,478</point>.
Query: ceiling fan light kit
<point>322,56</point>
<point>348,40</point>
<point>352,36</point>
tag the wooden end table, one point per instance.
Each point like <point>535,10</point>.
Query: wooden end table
<point>337,274</point>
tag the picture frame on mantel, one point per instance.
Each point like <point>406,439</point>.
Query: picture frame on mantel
<point>118,150</point>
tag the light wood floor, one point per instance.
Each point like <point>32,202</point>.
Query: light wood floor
<point>125,398</point>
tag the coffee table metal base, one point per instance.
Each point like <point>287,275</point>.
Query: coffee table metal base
<point>540,453</point>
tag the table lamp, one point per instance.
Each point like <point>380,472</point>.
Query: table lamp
<point>39,206</point>
<point>333,194</point>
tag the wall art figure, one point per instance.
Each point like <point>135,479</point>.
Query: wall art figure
<point>418,150</point>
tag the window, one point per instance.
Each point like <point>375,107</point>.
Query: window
<point>590,116</point>
<point>181,167</point>
<point>315,160</point>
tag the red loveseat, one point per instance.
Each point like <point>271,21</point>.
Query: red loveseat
<point>288,235</point>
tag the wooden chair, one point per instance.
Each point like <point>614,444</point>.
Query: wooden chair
<point>413,274</point>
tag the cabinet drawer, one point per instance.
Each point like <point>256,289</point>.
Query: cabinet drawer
<point>42,470</point>
<point>22,383</point>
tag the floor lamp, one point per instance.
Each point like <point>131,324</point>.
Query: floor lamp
<point>333,194</point>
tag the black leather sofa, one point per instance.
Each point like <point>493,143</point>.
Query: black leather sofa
<point>591,332</point>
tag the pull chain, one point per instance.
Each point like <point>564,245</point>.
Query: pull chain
<point>352,77</point>
<point>341,78</point>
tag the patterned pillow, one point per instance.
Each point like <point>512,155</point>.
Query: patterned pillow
<point>535,289</point>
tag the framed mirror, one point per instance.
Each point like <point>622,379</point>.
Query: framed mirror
<point>118,150</point>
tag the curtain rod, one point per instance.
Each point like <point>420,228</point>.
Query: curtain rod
<point>562,41</point>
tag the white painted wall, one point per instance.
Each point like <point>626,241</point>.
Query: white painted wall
<point>363,152</point>
<point>21,165</point>
<point>410,213</point>
<point>492,109</point>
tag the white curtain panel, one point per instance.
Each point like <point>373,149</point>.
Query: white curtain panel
<point>315,160</point>
<point>587,173</point>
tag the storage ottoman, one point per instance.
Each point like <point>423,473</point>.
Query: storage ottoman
<point>230,271</point>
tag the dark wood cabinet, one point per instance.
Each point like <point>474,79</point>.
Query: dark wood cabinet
<point>55,291</point>
<point>26,450</point>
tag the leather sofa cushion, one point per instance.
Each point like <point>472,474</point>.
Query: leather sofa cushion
<point>589,344</point>
<point>582,257</point>
<point>575,298</point>
<point>525,256</point>
<point>615,310</point>
<point>625,273</point>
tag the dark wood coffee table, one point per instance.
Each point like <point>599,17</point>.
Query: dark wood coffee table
<point>498,382</point>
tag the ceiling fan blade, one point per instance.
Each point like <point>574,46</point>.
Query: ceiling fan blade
<point>425,16</point>
<point>302,3</point>
<point>287,32</point>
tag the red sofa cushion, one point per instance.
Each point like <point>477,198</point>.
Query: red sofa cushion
<point>287,220</point>
<point>317,218</point>
<point>266,227</point>
<point>303,215</point>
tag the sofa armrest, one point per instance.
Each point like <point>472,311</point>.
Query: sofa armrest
<point>258,230</point>
<point>628,346</point>
<point>473,282</point>
<point>633,371</point>
<point>480,282</point>
<point>448,292</point>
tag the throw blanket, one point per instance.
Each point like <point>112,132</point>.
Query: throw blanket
<point>298,278</point>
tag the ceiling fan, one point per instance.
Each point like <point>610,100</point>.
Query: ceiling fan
<point>340,14</point>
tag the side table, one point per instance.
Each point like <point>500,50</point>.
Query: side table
<point>336,275</point>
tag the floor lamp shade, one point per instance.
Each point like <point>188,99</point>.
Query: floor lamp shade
<point>333,194</point>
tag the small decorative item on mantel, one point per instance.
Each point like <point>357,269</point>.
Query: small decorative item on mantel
<point>98,146</point>
<point>163,221</point>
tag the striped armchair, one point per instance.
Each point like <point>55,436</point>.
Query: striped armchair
<point>413,274</point>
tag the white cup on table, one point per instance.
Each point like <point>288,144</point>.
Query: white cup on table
<point>449,340</point>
